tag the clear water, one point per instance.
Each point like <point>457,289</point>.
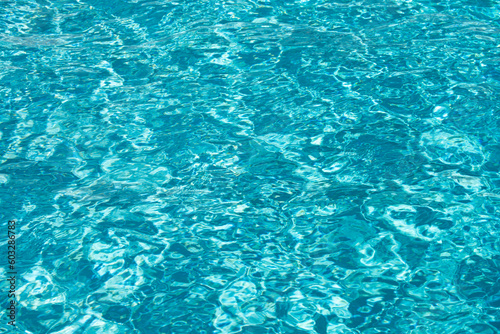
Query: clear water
<point>252,166</point>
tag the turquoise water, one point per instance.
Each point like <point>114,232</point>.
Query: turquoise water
<point>252,166</point>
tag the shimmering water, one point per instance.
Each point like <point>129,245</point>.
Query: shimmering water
<point>252,166</point>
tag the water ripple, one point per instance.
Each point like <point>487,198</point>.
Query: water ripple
<point>250,167</point>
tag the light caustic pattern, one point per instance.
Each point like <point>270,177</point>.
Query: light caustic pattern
<point>252,166</point>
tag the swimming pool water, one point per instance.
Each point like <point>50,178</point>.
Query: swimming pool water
<point>252,166</point>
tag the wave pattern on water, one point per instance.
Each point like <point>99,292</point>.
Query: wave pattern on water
<point>253,166</point>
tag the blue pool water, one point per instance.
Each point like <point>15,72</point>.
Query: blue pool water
<point>251,166</point>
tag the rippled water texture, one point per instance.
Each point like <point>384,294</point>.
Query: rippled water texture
<point>252,166</point>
